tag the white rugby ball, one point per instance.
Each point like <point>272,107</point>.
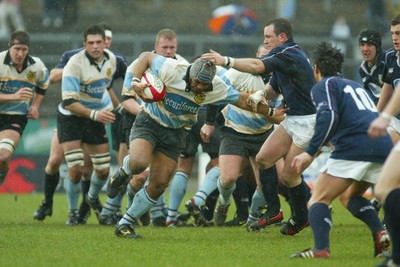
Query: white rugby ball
<point>156,89</point>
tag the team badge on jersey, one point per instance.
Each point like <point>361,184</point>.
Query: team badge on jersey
<point>109,73</point>
<point>31,76</point>
<point>199,98</point>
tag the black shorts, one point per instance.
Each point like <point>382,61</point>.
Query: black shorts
<point>127,121</point>
<point>169,141</point>
<point>245,145</point>
<point>117,132</point>
<point>13,122</point>
<point>72,128</point>
<point>193,139</point>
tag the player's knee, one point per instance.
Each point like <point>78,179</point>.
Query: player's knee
<point>74,158</point>
<point>101,161</point>
<point>7,147</point>
<point>227,181</point>
<point>262,162</point>
<point>380,192</point>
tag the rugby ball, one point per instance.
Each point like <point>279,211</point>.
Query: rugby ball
<point>156,88</point>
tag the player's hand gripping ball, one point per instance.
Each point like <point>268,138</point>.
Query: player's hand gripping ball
<point>156,89</point>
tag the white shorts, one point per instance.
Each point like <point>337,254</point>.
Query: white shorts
<point>300,129</point>
<point>397,147</point>
<point>350,169</point>
<point>394,125</point>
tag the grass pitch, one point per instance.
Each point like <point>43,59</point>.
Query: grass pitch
<point>25,242</point>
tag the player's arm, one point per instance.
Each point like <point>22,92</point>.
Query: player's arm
<point>379,126</point>
<point>78,109</point>
<point>249,65</point>
<point>56,75</point>
<point>143,63</point>
<point>274,115</point>
<point>114,98</point>
<point>386,95</point>
<point>22,94</point>
<point>33,112</point>
<point>131,105</point>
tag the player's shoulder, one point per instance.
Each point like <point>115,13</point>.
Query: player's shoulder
<point>110,55</point>
<point>38,62</point>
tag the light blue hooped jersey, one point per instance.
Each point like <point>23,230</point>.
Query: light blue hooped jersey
<point>34,75</point>
<point>85,82</point>
<point>179,108</point>
<point>244,121</point>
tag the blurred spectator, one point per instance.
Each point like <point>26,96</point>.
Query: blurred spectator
<point>236,21</point>
<point>377,16</point>
<point>10,10</point>
<point>52,12</point>
<point>286,9</point>
<point>341,33</point>
<point>392,8</point>
<point>71,11</point>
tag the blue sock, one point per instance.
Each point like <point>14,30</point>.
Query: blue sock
<point>177,190</point>
<point>112,205</point>
<point>208,186</point>
<point>270,185</point>
<point>392,219</point>
<point>95,186</point>
<point>72,190</point>
<point>225,195</point>
<point>85,185</point>
<point>158,209</point>
<point>241,197</point>
<point>130,193</point>
<point>320,219</point>
<point>362,209</point>
<point>50,185</point>
<point>142,203</point>
<point>257,203</point>
<point>299,196</point>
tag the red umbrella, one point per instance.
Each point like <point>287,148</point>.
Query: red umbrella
<point>233,19</point>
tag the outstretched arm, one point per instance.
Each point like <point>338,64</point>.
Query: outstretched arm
<point>249,65</point>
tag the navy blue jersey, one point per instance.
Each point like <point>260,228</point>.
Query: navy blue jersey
<point>391,75</point>
<point>292,76</point>
<point>344,113</point>
<point>66,56</point>
<point>122,63</point>
<point>372,76</point>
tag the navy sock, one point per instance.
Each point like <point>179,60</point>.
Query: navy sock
<point>392,219</point>
<point>3,174</point>
<point>85,185</point>
<point>269,186</point>
<point>50,185</point>
<point>299,196</point>
<point>241,197</point>
<point>320,219</point>
<point>210,203</point>
<point>362,209</point>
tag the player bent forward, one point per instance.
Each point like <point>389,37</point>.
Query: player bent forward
<point>157,135</point>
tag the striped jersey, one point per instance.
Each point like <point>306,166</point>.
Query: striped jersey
<point>87,81</point>
<point>34,75</point>
<point>179,108</point>
<point>244,121</point>
<point>127,91</point>
<point>122,63</point>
